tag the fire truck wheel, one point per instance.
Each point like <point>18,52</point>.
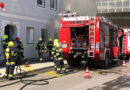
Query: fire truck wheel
<point>106,61</point>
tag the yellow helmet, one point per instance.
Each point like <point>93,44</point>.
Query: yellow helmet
<point>40,39</point>
<point>56,42</point>
<point>11,44</point>
<point>50,39</point>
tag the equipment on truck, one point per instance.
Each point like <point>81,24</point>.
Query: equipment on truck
<point>125,43</point>
<point>93,39</point>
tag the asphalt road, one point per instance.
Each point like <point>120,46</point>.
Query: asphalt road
<point>115,78</point>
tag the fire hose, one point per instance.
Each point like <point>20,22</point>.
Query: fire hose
<point>26,82</point>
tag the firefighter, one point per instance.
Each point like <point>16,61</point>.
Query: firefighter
<point>10,54</point>
<point>121,41</point>
<point>50,46</point>
<point>4,43</point>
<point>20,51</point>
<point>59,58</point>
<point>54,54</point>
<point>40,47</point>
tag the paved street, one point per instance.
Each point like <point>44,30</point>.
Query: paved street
<point>101,79</point>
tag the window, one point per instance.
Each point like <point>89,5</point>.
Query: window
<point>104,3</point>
<point>41,3</point>
<point>118,4</point>
<point>53,5</point>
<point>43,35</point>
<point>98,3</point>
<point>30,35</point>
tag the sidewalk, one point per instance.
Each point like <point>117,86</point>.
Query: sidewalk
<point>32,67</point>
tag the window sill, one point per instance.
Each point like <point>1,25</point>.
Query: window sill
<point>41,5</point>
<point>53,9</point>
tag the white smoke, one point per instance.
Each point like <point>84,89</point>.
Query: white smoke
<point>84,7</point>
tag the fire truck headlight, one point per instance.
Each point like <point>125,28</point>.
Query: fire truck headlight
<point>64,45</point>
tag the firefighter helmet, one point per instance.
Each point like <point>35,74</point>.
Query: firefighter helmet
<point>17,39</point>
<point>50,39</point>
<point>5,37</point>
<point>11,44</point>
<point>40,39</point>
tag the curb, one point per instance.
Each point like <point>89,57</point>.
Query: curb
<point>44,69</point>
<point>36,70</point>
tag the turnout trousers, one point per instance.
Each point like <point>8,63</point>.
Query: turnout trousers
<point>40,56</point>
<point>60,66</point>
<point>9,69</point>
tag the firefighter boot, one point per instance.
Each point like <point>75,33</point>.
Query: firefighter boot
<point>11,77</point>
<point>58,71</point>
<point>64,71</point>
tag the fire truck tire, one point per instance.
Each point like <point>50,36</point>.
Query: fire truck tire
<point>106,61</point>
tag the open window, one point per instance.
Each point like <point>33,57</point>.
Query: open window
<point>44,34</point>
<point>41,3</point>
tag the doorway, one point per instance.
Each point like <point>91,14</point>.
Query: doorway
<point>11,31</point>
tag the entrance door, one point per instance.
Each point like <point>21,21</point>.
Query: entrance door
<point>11,31</point>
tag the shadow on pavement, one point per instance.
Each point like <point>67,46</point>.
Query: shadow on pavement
<point>116,84</point>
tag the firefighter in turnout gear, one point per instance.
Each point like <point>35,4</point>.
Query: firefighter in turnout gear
<point>58,57</point>
<point>50,46</point>
<point>20,51</point>
<point>10,54</point>
<point>54,54</point>
<point>4,44</point>
<point>40,47</point>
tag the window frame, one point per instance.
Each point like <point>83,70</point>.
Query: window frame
<point>55,7</point>
<point>43,4</point>
<point>28,28</point>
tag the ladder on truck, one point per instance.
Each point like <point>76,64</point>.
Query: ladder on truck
<point>92,27</point>
<point>124,47</point>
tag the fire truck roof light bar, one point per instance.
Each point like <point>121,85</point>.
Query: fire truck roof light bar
<point>76,18</point>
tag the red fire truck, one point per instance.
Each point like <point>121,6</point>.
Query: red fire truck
<point>93,39</point>
<point>125,51</point>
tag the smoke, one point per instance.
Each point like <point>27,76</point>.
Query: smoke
<point>83,7</point>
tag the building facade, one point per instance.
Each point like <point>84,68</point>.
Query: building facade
<point>29,20</point>
<point>117,11</point>
<point>109,6</point>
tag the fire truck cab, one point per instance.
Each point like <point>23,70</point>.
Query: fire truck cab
<point>93,39</point>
